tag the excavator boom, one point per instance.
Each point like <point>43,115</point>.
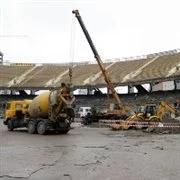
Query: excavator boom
<point>165,108</point>
<point>98,59</point>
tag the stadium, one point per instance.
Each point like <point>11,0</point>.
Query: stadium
<point>112,118</point>
<point>159,71</point>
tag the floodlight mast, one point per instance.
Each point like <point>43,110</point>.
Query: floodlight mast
<point>99,61</point>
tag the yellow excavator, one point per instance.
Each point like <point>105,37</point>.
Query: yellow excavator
<point>147,114</point>
<point>152,112</point>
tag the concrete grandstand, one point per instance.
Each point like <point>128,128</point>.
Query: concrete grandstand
<point>151,69</point>
<point>154,69</point>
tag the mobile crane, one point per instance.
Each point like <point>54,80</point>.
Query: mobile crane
<point>121,111</point>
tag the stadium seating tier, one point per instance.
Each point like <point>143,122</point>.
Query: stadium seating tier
<point>32,76</point>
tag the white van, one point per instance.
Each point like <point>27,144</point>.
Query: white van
<point>83,111</point>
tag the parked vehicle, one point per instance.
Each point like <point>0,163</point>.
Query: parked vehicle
<point>49,111</point>
<point>83,111</point>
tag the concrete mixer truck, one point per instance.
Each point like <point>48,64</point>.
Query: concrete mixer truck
<point>52,110</point>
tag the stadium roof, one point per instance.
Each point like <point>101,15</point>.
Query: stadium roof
<point>157,68</point>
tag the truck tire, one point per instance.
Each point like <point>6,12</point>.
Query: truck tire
<point>10,125</point>
<point>32,127</point>
<point>41,127</point>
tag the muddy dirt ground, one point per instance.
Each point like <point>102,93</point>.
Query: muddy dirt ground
<point>89,153</point>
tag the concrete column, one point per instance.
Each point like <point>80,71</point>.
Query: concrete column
<point>89,90</point>
<point>32,92</point>
<point>130,89</point>
<point>175,85</point>
<point>1,57</point>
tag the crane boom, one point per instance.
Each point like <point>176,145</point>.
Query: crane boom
<point>98,59</point>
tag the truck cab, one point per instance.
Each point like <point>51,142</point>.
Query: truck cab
<point>15,110</point>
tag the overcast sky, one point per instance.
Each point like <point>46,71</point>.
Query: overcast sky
<point>40,30</point>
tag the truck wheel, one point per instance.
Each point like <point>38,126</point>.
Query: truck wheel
<point>41,127</point>
<point>10,125</point>
<point>31,127</point>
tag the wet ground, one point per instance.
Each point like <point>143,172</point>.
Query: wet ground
<point>87,153</point>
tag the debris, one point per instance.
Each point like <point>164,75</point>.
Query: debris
<point>150,130</point>
<point>165,132</point>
